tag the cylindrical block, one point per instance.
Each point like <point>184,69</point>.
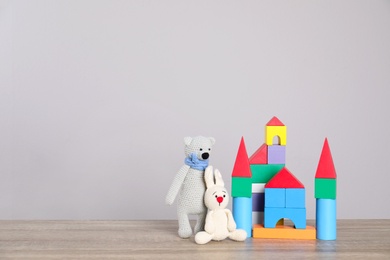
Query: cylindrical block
<point>242,214</point>
<point>326,219</point>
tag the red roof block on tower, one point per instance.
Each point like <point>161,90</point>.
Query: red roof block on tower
<point>284,179</point>
<point>241,166</point>
<point>325,167</point>
<point>260,156</point>
<point>275,122</point>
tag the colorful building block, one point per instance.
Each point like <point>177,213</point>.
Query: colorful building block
<point>284,179</point>
<point>260,156</point>
<point>258,187</point>
<point>275,198</point>
<point>272,215</point>
<point>285,232</point>
<point>241,166</point>
<point>326,167</point>
<point>275,122</point>
<point>275,128</point>
<point>326,219</point>
<point>241,187</point>
<point>257,201</point>
<point>242,214</point>
<point>295,198</point>
<point>257,217</point>
<point>262,173</point>
<point>276,154</point>
<point>325,188</point>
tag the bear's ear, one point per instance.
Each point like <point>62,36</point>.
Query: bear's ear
<point>187,140</point>
<point>212,139</point>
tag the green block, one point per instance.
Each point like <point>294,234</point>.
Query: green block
<point>241,187</point>
<point>262,173</point>
<point>324,188</point>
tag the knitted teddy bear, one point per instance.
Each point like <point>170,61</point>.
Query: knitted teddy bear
<point>219,220</point>
<point>189,184</point>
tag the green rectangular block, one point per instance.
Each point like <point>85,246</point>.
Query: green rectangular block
<point>262,173</point>
<point>241,187</point>
<point>324,188</point>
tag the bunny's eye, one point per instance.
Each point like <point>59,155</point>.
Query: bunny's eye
<point>216,196</point>
<point>224,196</point>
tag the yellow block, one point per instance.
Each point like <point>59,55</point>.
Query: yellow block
<point>281,231</point>
<point>272,131</point>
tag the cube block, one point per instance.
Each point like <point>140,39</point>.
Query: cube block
<point>241,187</point>
<point>295,198</point>
<point>275,198</point>
<point>276,154</point>
<point>324,188</point>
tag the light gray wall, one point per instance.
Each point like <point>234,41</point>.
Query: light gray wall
<point>96,97</point>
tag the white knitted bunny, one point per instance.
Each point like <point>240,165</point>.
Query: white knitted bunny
<point>219,220</point>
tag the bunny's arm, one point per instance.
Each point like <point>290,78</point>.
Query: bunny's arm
<point>231,224</point>
<point>176,184</point>
<point>209,226</point>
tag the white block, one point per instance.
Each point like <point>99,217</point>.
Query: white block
<point>257,217</point>
<point>258,187</point>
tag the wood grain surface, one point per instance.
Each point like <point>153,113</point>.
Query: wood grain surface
<point>356,239</point>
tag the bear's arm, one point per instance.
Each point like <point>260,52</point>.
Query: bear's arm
<point>176,184</point>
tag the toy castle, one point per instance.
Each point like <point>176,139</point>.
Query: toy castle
<point>265,192</point>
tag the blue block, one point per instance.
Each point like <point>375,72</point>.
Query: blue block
<point>276,154</point>
<point>273,215</point>
<point>257,201</point>
<point>326,219</point>
<point>295,198</point>
<point>242,214</point>
<point>275,197</point>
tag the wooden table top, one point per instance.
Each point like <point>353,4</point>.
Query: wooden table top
<point>356,239</point>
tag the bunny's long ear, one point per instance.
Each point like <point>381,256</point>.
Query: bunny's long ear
<point>208,176</point>
<point>218,178</point>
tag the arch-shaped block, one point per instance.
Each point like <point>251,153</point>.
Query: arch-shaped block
<point>272,131</point>
<point>273,215</point>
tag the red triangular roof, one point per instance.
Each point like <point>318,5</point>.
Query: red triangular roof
<point>284,179</point>
<point>275,122</point>
<point>241,166</point>
<point>325,167</point>
<point>260,156</point>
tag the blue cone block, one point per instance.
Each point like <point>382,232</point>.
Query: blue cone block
<point>242,214</point>
<point>326,219</point>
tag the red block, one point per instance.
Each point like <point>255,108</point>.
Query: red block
<point>325,167</point>
<point>284,179</point>
<point>260,156</point>
<point>275,122</point>
<point>241,166</point>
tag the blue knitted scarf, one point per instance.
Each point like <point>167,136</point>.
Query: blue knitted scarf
<point>195,163</point>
